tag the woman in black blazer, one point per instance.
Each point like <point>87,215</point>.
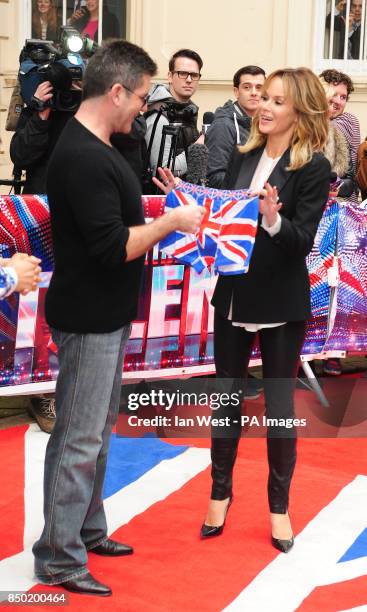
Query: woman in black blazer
<point>283,162</point>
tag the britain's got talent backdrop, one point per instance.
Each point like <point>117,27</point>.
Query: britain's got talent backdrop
<point>173,332</point>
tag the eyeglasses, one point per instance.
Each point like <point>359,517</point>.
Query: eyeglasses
<point>144,99</point>
<point>182,74</point>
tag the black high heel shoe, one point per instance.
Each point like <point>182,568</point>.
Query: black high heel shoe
<point>282,545</point>
<point>208,531</point>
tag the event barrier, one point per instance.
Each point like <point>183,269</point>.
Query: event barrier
<point>173,332</point>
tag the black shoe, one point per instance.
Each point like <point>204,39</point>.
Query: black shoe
<point>110,548</point>
<point>282,545</point>
<point>86,585</point>
<point>208,531</point>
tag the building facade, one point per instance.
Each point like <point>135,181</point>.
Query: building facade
<point>228,35</point>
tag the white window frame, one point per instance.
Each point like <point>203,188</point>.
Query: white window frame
<point>349,66</point>
<point>25,27</point>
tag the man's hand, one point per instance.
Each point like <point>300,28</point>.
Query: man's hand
<point>28,271</point>
<point>188,218</point>
<point>44,93</point>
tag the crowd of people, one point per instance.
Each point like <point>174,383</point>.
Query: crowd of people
<point>282,137</point>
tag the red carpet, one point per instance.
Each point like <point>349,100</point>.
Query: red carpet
<point>173,570</point>
<point>11,496</point>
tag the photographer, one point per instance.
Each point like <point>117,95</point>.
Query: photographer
<point>41,122</point>
<point>183,79</point>
<point>35,138</point>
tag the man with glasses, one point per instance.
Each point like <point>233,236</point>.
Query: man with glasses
<point>183,78</point>
<point>100,241</point>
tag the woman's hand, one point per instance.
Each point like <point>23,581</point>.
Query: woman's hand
<point>167,182</point>
<point>77,15</point>
<point>269,204</point>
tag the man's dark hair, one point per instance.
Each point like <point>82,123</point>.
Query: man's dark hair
<point>254,70</point>
<point>117,61</point>
<point>185,53</point>
<point>335,77</point>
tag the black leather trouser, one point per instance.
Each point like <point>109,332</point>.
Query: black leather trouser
<point>280,350</point>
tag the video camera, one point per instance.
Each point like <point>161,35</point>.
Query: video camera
<point>179,112</point>
<point>61,64</point>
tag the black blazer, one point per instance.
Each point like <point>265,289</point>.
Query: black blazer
<point>276,288</point>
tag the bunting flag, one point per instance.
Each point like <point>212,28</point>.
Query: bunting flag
<point>226,237</point>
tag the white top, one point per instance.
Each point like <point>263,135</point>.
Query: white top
<point>263,170</point>
<point>44,25</point>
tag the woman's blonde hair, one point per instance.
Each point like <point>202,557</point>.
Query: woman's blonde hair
<point>308,97</point>
<point>329,88</point>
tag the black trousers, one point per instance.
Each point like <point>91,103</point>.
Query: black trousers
<point>280,350</point>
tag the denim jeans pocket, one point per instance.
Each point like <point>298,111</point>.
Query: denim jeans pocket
<point>60,338</point>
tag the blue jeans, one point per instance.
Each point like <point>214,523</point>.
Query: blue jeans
<point>87,402</point>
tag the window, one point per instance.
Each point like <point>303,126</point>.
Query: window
<point>343,29</point>
<point>98,19</point>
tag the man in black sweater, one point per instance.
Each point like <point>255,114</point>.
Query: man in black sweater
<point>99,239</point>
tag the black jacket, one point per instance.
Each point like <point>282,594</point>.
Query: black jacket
<point>230,127</point>
<point>33,143</point>
<point>133,147</point>
<point>276,288</point>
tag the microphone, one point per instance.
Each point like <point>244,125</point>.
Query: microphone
<point>197,161</point>
<point>333,177</point>
<point>208,119</point>
<point>343,188</point>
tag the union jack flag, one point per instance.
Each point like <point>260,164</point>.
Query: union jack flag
<point>227,232</point>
